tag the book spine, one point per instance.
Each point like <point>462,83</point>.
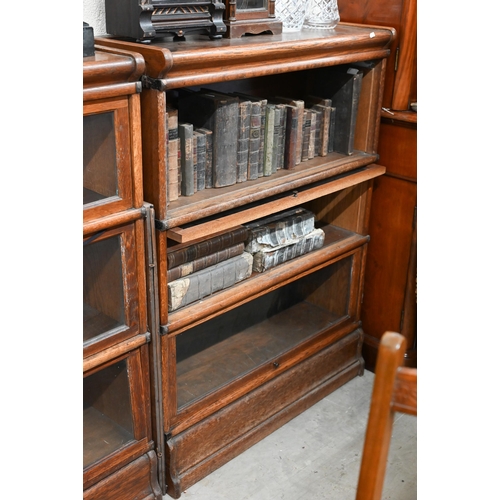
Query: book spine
<point>201,159</point>
<point>208,156</point>
<point>331,130</point>
<point>264,260</point>
<point>203,283</point>
<point>195,162</point>
<point>187,166</point>
<point>178,256</point>
<point>254,141</point>
<point>263,119</point>
<point>243,141</point>
<point>312,138</point>
<point>306,134</point>
<point>291,137</point>
<point>324,128</point>
<point>276,139</point>
<point>225,145</point>
<point>300,131</point>
<point>172,154</point>
<point>268,141</point>
<point>204,262</point>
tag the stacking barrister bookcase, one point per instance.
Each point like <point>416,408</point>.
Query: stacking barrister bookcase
<point>119,383</point>
<point>241,362</point>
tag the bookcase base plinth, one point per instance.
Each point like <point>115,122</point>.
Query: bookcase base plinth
<point>206,446</point>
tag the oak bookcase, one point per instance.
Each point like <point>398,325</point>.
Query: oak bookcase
<point>119,456</point>
<point>240,363</point>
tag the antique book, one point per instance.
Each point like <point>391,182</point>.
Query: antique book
<point>262,103</point>
<point>315,133</point>
<point>269,257</point>
<point>219,113</point>
<point>205,282</point>
<point>201,158</point>
<point>171,117</point>
<point>291,136</point>
<point>278,139</point>
<point>204,262</point>
<point>187,252</point>
<point>343,86</point>
<point>243,140</point>
<point>331,131</point>
<point>187,165</point>
<point>325,107</point>
<point>208,156</point>
<point>278,229</point>
<point>195,161</point>
<point>269,140</point>
<point>254,141</point>
<point>306,134</point>
<point>300,105</point>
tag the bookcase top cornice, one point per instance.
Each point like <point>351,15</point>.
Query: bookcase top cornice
<point>198,61</point>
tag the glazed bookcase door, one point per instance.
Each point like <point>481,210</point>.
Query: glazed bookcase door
<point>115,427</point>
<point>107,170</point>
<point>110,288</point>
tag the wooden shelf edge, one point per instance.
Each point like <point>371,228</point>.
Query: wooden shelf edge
<point>287,200</point>
<point>214,305</point>
<point>214,201</point>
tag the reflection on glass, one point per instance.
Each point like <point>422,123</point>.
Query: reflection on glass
<point>251,4</point>
<point>99,158</point>
<point>221,350</point>
<point>103,295</point>
<point>107,413</point>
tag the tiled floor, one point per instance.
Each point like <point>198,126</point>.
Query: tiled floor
<point>317,456</point>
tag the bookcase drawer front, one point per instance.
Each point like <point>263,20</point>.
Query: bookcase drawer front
<point>115,428</point>
<point>110,288</point>
<point>107,176</point>
<point>255,334</point>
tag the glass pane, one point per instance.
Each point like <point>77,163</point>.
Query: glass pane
<point>250,4</point>
<point>214,353</point>
<point>99,158</point>
<point>107,412</point>
<point>103,294</point>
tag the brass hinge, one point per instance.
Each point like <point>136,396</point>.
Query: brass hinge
<point>152,83</point>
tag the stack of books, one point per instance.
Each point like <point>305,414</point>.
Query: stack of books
<point>199,269</point>
<point>282,237</point>
<point>220,139</point>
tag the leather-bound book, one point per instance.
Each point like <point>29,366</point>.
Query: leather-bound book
<point>325,107</point>
<point>300,105</point>
<point>243,140</point>
<point>187,164</point>
<point>208,281</point>
<point>219,113</point>
<point>208,156</point>
<point>201,158</point>
<point>172,139</point>
<point>306,134</point>
<point>187,252</point>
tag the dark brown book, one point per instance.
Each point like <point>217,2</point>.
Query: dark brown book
<point>172,140</point>
<point>254,141</point>
<point>325,106</point>
<point>201,284</point>
<point>186,252</point>
<point>203,262</point>
<point>263,103</point>
<point>343,86</point>
<point>300,105</point>
<point>243,140</point>
<point>291,136</point>
<point>219,113</point>
<point>187,165</point>
<point>306,134</point>
<point>315,133</point>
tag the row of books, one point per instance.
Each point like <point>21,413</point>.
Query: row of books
<point>197,270</point>
<point>217,139</point>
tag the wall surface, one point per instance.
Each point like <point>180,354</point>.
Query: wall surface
<point>94,14</point>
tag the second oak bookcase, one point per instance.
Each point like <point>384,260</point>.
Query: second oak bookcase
<point>240,363</point>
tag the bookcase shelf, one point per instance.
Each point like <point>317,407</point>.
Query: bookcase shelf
<point>338,242</point>
<point>237,364</point>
